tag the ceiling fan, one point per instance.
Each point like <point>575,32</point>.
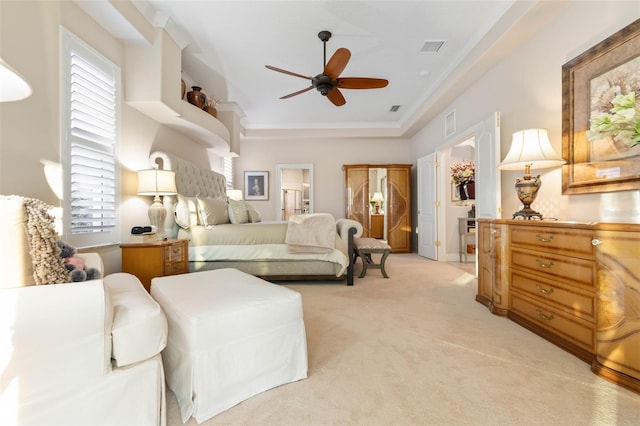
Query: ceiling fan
<point>329,82</point>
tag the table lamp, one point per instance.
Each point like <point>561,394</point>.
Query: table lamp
<point>377,198</point>
<point>157,182</point>
<point>234,194</point>
<point>530,148</point>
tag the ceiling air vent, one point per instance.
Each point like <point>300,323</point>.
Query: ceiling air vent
<point>394,108</point>
<point>431,46</point>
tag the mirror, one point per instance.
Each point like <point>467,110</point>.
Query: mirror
<point>377,201</point>
<point>294,190</point>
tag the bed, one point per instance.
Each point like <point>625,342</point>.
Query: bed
<point>241,240</point>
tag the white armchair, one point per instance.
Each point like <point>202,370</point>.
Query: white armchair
<point>79,353</point>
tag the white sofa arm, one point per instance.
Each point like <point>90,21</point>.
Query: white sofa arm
<point>52,340</point>
<point>343,226</point>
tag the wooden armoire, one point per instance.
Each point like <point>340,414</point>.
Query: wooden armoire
<point>397,203</point>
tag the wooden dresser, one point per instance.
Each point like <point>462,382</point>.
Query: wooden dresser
<point>575,284</point>
<point>155,259</point>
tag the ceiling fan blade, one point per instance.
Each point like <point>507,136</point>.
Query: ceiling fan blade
<point>337,63</point>
<point>291,95</point>
<point>287,72</point>
<point>362,83</point>
<point>335,96</point>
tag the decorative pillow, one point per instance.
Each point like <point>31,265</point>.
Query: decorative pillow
<point>254,215</point>
<point>213,211</point>
<point>186,212</point>
<point>238,212</point>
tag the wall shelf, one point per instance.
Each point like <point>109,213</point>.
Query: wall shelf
<point>192,122</point>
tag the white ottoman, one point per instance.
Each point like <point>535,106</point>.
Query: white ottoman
<point>231,336</point>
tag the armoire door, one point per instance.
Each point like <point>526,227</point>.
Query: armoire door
<point>356,180</point>
<point>399,207</point>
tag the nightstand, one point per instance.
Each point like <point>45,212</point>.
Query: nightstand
<point>155,259</point>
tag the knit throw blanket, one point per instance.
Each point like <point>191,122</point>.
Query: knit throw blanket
<point>48,266</point>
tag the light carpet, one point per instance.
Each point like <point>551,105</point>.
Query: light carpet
<point>416,349</point>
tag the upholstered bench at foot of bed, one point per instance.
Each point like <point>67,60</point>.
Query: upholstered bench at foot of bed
<point>231,336</point>
<point>365,247</point>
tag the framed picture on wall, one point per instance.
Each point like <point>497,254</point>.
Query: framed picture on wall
<point>600,123</point>
<point>256,186</point>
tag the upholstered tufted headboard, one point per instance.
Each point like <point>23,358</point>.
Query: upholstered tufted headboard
<point>191,180</point>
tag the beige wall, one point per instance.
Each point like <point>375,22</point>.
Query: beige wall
<point>327,157</point>
<point>526,88</point>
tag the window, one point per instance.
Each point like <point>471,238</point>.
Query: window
<point>90,96</point>
<point>228,171</point>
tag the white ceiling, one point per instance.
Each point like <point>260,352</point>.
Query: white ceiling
<point>228,44</point>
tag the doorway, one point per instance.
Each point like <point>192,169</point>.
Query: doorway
<point>442,235</point>
<point>294,190</point>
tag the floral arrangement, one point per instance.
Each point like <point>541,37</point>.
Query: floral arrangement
<point>463,172</point>
<point>621,122</point>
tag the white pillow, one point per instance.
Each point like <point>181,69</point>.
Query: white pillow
<point>186,212</point>
<point>213,211</point>
<point>238,212</point>
<point>254,215</point>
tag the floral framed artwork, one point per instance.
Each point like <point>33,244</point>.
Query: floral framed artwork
<point>601,116</point>
<point>256,186</point>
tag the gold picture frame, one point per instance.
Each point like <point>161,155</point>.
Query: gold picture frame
<point>597,162</point>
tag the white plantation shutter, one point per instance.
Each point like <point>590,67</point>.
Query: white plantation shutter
<point>228,171</point>
<point>91,96</point>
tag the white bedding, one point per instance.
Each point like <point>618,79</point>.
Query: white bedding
<point>270,252</point>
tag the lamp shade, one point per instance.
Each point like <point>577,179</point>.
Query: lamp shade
<point>377,197</point>
<point>531,147</point>
<point>156,182</point>
<point>234,194</point>
<point>12,86</point>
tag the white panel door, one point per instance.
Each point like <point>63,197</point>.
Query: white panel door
<point>427,196</point>
<point>488,195</point>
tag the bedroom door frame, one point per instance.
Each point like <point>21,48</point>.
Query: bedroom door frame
<point>299,166</point>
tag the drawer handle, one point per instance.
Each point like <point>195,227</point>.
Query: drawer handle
<point>596,242</point>
<point>544,290</point>
<point>543,316</point>
<point>544,265</point>
<point>544,239</point>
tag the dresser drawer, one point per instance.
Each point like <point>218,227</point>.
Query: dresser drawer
<point>580,271</point>
<point>175,252</point>
<point>569,328</point>
<point>570,300</point>
<point>178,267</point>
<point>571,242</point>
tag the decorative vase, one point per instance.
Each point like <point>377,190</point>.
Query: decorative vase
<point>183,88</point>
<point>211,110</point>
<point>470,190</point>
<point>196,97</point>
<point>462,192</point>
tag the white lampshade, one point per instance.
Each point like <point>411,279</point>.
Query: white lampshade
<point>377,197</point>
<point>156,182</point>
<point>531,147</point>
<point>12,86</point>
<point>234,194</point>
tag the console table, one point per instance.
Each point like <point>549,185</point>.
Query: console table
<point>575,284</point>
<point>466,236</point>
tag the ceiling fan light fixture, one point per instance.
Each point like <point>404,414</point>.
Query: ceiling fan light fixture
<point>432,45</point>
<point>329,81</point>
